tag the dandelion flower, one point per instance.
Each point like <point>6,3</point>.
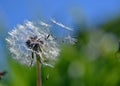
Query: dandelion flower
<point>33,43</point>
<point>30,39</point>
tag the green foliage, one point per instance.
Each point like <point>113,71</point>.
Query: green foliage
<point>19,75</point>
<point>113,27</point>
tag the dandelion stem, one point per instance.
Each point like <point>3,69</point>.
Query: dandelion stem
<point>39,79</point>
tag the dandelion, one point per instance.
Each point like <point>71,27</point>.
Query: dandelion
<point>27,40</point>
<point>32,44</point>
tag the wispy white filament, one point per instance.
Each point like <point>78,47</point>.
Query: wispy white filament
<point>61,25</point>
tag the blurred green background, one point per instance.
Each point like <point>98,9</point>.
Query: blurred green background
<point>91,61</point>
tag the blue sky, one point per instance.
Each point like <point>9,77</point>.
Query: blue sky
<point>65,11</point>
<point>13,12</point>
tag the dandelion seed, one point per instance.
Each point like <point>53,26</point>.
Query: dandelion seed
<point>70,40</point>
<point>61,25</point>
<point>44,24</point>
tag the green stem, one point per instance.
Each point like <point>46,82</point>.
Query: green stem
<point>38,67</point>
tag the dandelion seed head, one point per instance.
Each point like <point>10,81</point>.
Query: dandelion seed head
<point>31,37</point>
